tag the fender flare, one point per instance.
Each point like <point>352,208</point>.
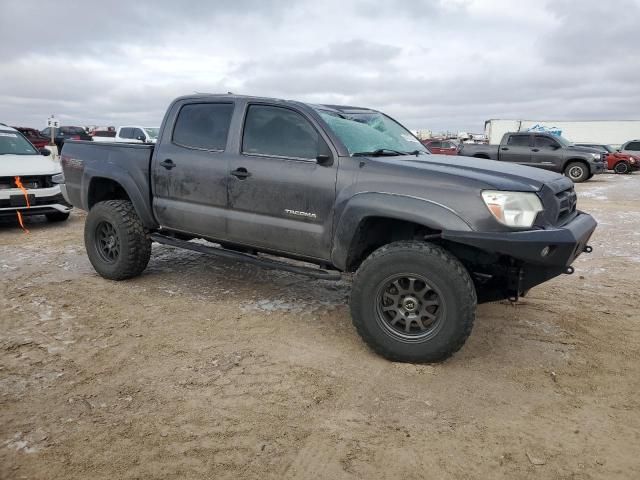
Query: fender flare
<point>140,201</point>
<point>394,206</point>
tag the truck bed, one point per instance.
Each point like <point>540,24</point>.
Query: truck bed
<point>489,151</point>
<point>127,163</point>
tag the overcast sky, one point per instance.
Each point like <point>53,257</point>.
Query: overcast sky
<point>431,64</point>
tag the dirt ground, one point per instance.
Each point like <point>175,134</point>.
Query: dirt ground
<point>204,368</point>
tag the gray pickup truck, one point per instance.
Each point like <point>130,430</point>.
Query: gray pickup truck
<point>542,150</point>
<point>345,189</point>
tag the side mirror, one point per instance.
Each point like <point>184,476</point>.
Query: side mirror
<point>44,152</point>
<point>141,138</point>
<point>324,160</point>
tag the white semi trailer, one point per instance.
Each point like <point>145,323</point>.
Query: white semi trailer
<point>610,132</point>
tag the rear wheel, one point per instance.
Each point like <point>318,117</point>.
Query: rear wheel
<point>117,243</point>
<point>577,171</point>
<point>57,216</point>
<point>413,302</point>
<point>622,167</point>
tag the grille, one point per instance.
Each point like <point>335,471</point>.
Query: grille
<point>567,200</point>
<point>29,182</point>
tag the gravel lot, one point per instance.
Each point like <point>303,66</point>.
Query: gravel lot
<point>203,368</point>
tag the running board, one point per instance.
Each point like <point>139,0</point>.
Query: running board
<point>245,257</point>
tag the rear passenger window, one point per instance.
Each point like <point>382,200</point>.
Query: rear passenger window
<point>203,125</point>
<point>279,132</point>
<point>126,132</point>
<point>518,140</point>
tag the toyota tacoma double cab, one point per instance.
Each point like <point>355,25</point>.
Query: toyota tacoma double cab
<point>542,150</point>
<point>344,189</point>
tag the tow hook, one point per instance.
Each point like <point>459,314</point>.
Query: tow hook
<point>587,249</point>
<point>569,270</point>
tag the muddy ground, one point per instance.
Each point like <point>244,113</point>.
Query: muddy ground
<point>204,368</point>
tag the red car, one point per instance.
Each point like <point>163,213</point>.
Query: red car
<point>617,161</point>
<point>34,136</point>
<point>441,147</point>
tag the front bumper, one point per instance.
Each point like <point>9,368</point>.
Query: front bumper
<point>565,243</point>
<point>531,257</point>
<point>600,167</point>
<point>42,201</point>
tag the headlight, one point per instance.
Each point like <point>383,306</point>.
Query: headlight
<point>596,156</point>
<point>514,209</point>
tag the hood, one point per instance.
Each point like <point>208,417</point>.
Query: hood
<point>22,165</point>
<point>626,156</point>
<point>578,148</point>
<point>489,174</point>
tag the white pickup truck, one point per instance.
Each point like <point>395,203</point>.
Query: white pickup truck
<point>137,134</point>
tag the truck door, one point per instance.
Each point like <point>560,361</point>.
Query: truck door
<point>544,155</point>
<point>190,169</point>
<point>279,194</point>
<point>517,149</point>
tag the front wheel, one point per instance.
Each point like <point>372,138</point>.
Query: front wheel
<point>622,168</point>
<point>413,301</point>
<point>577,171</point>
<point>117,243</point>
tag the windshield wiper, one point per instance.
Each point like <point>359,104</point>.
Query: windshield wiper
<point>380,152</point>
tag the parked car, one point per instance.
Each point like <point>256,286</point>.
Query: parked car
<point>137,134</point>
<point>34,136</point>
<point>441,147</point>
<point>542,150</point>
<point>61,134</point>
<point>346,188</point>
<point>103,134</point>
<point>632,147</point>
<point>617,161</point>
<point>35,170</point>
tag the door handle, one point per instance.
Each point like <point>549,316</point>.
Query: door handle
<point>504,148</point>
<point>535,149</point>
<point>240,173</point>
<point>168,164</point>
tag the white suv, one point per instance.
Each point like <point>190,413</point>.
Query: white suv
<point>22,165</point>
<point>632,147</point>
<point>137,134</point>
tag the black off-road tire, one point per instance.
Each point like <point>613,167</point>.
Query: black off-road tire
<point>134,244</point>
<point>578,172</point>
<point>57,216</point>
<point>622,168</point>
<point>443,272</point>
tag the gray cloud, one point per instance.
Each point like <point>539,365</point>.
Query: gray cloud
<point>429,63</point>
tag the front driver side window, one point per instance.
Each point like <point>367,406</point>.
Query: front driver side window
<point>279,132</point>
<point>546,143</point>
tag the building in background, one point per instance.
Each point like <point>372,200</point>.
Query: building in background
<point>608,132</point>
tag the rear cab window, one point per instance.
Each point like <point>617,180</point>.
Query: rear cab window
<point>635,146</point>
<point>203,126</point>
<point>518,140</point>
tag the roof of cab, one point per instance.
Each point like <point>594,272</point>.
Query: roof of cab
<point>232,96</point>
